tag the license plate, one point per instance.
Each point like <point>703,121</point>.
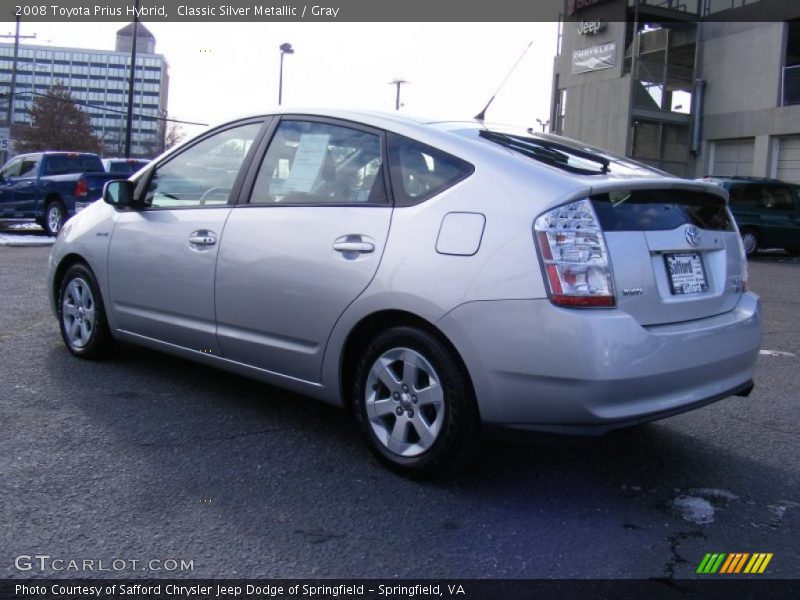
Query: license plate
<point>686,273</point>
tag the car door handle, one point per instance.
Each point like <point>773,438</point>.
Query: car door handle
<point>362,247</point>
<point>202,238</point>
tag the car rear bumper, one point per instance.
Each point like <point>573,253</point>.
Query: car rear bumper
<point>536,366</point>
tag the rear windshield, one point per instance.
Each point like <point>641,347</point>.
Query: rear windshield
<point>652,210</point>
<point>566,154</point>
<point>62,164</point>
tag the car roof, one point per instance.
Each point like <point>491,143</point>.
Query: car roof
<point>461,138</point>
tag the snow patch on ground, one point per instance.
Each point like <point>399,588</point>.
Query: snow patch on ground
<point>775,353</point>
<point>714,493</point>
<point>695,505</point>
<point>20,239</point>
<point>694,509</point>
<point>24,227</point>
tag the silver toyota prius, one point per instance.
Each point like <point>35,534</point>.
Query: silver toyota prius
<point>430,277</point>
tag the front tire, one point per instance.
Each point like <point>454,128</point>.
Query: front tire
<point>416,404</point>
<point>54,217</point>
<point>81,314</point>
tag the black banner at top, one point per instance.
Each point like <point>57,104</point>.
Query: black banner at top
<point>395,10</point>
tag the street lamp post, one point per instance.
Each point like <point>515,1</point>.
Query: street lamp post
<point>544,124</point>
<point>397,82</point>
<point>285,48</point>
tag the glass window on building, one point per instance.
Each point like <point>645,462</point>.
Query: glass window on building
<point>561,111</point>
<point>661,58</point>
<point>791,68</point>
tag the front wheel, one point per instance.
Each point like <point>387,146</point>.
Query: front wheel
<point>416,404</point>
<point>54,217</point>
<point>81,314</point>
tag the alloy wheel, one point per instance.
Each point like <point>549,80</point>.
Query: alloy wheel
<point>404,402</point>
<point>78,313</point>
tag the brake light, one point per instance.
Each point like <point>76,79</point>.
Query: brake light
<point>577,269</point>
<point>81,188</point>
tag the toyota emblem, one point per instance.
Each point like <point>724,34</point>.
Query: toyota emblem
<point>692,235</point>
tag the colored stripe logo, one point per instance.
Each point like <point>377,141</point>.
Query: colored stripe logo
<point>734,563</point>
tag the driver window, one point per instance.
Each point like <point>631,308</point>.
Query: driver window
<point>319,163</point>
<point>202,175</point>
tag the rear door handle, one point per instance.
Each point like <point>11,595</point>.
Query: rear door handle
<point>202,238</point>
<point>362,247</point>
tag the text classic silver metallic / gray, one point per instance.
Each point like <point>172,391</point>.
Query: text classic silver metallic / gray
<point>431,277</point>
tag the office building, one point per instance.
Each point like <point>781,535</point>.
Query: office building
<point>98,78</point>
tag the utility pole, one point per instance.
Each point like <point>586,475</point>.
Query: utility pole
<point>11,92</point>
<point>131,80</point>
<point>397,83</point>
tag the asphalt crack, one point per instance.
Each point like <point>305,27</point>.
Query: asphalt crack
<point>675,558</point>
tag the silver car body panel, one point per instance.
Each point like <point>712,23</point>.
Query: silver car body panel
<point>284,301</point>
<point>161,285</point>
<point>282,285</point>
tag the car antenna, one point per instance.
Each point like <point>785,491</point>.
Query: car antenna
<point>482,115</point>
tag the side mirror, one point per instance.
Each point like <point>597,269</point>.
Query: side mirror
<point>119,193</point>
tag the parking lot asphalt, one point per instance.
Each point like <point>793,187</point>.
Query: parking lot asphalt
<point>147,457</point>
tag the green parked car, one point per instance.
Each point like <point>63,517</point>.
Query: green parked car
<point>767,212</point>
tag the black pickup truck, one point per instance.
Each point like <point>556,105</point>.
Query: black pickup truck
<point>44,186</point>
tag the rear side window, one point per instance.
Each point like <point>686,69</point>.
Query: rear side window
<point>62,164</point>
<point>762,196</point>
<point>310,162</point>
<point>420,171</point>
<point>654,210</point>
<point>777,197</point>
<point>745,196</point>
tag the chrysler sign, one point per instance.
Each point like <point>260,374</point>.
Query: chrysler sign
<point>594,58</point>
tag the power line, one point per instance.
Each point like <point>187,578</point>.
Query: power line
<point>98,107</point>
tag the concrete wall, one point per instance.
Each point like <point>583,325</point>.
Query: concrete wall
<point>597,101</point>
<point>742,66</point>
<point>598,113</point>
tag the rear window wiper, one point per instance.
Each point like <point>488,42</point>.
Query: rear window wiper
<point>549,152</point>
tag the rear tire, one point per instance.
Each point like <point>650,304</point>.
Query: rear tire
<point>750,241</point>
<point>415,403</point>
<point>82,315</point>
<point>54,217</point>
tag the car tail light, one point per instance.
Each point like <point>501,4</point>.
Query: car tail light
<point>577,269</point>
<point>81,188</point>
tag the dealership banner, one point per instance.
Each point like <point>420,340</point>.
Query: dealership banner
<point>594,58</point>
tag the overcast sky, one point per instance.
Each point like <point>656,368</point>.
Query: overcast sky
<point>222,70</point>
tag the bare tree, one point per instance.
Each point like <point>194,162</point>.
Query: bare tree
<point>174,136</point>
<point>58,124</point>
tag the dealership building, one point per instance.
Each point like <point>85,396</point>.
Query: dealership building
<point>98,78</point>
<point>694,87</point>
